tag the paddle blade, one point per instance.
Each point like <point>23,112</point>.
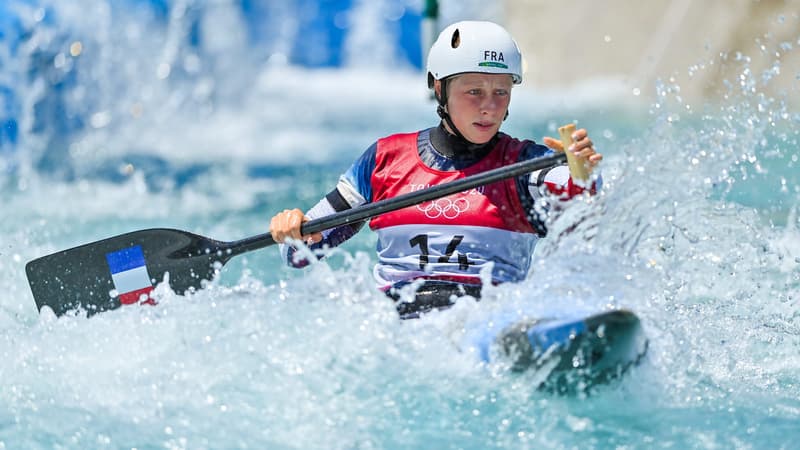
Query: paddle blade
<point>124,269</point>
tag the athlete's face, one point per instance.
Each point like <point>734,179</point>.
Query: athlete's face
<point>477,103</point>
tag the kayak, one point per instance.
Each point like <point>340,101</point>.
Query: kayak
<point>569,354</point>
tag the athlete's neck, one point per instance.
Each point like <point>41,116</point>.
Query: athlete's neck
<point>456,147</point>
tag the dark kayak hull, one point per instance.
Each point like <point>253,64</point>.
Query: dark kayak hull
<point>572,354</point>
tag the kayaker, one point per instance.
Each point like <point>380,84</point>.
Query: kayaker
<point>441,246</point>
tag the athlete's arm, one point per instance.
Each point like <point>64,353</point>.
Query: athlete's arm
<point>353,189</point>
<point>536,190</point>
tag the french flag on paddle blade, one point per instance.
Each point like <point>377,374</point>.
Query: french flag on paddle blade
<point>129,272</point>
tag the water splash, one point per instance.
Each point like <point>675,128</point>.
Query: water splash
<point>675,233</point>
<point>696,229</point>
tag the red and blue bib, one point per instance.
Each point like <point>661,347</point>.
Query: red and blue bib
<point>454,237</point>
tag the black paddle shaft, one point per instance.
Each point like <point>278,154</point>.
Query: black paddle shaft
<point>368,211</point>
<point>81,277</point>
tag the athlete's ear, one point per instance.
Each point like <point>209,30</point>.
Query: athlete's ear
<point>437,88</point>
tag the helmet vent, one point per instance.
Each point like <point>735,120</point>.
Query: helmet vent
<point>455,41</point>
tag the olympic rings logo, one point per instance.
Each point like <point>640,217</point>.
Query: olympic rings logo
<point>444,207</point>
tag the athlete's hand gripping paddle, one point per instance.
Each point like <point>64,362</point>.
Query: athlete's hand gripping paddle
<point>123,269</point>
<point>577,166</point>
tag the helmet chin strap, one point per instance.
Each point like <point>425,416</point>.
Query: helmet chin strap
<point>441,110</point>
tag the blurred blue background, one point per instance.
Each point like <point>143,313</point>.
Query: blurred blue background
<point>52,55</point>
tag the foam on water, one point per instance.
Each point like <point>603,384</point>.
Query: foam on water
<point>696,230</point>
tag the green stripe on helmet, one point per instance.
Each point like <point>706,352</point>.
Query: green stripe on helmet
<point>493,64</point>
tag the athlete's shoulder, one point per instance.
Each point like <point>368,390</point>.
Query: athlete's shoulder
<point>397,145</point>
<point>528,149</point>
<point>400,136</point>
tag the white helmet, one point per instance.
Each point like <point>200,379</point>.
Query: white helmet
<point>473,46</point>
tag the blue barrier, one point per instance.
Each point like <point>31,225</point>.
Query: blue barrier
<point>9,129</point>
<point>10,31</point>
<point>319,39</point>
<point>321,28</point>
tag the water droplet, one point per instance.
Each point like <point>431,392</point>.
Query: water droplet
<point>59,61</point>
<point>163,70</point>
<point>76,49</point>
<point>100,119</point>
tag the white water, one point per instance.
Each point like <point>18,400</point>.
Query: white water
<point>695,230</point>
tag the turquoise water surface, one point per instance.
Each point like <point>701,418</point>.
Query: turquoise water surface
<point>119,116</point>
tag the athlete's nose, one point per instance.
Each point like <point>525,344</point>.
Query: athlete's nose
<point>490,104</point>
